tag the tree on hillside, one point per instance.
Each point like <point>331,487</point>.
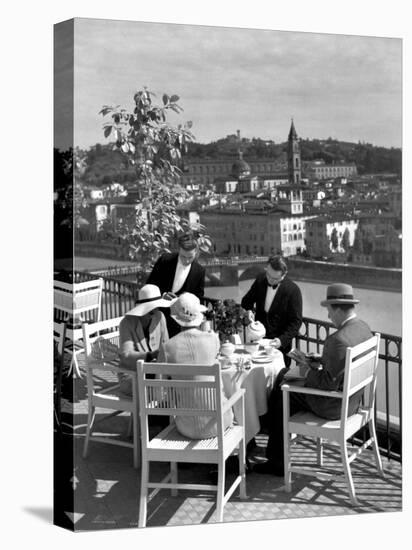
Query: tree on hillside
<point>334,239</point>
<point>345,242</point>
<point>154,148</point>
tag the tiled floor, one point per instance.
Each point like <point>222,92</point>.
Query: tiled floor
<point>106,486</point>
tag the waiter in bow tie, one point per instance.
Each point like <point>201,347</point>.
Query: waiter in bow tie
<point>276,301</point>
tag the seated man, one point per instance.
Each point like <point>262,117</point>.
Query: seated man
<point>277,301</point>
<point>193,346</point>
<point>326,373</point>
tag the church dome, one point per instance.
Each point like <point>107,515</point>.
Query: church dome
<point>240,168</point>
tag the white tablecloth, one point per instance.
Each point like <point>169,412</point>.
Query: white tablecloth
<point>258,382</point>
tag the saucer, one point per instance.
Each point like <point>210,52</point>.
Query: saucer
<point>262,358</point>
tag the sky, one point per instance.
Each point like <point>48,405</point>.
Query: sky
<point>340,86</point>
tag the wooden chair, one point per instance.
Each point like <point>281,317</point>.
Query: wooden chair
<point>102,362</point>
<point>360,372</point>
<point>59,335</point>
<point>174,394</point>
<point>76,303</point>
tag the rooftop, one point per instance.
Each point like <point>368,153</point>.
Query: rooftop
<point>106,486</point>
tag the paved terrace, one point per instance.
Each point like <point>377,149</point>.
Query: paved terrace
<point>106,486</point>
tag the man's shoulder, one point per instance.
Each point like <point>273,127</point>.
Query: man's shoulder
<point>290,285</point>
<point>197,266</point>
<point>353,332</point>
<point>167,257</point>
<point>261,278</point>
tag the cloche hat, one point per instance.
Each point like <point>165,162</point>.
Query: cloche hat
<point>187,310</point>
<point>339,293</point>
<point>149,298</point>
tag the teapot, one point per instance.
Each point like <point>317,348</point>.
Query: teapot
<point>255,331</point>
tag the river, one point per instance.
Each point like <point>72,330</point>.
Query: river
<point>382,310</point>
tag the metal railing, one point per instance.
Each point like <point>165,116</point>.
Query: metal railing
<point>119,296</point>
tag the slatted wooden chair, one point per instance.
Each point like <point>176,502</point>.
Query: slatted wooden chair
<point>102,363</point>
<point>76,303</point>
<point>360,373</point>
<point>173,394</point>
<point>59,335</point>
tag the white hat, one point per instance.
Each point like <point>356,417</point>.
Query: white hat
<point>187,310</point>
<point>149,299</point>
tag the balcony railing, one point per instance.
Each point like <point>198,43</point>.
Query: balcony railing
<point>119,296</point>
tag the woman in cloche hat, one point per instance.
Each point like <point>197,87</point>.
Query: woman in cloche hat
<point>192,346</point>
<point>142,331</point>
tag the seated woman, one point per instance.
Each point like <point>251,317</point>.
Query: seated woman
<point>193,346</point>
<point>142,331</point>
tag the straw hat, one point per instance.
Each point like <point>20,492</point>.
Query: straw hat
<point>149,299</point>
<point>339,293</point>
<point>187,310</point>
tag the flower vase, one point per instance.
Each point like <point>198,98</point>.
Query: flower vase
<point>235,339</point>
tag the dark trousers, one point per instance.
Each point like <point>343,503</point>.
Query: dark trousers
<point>297,401</point>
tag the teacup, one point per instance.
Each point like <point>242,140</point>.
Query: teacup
<point>270,350</point>
<point>252,347</point>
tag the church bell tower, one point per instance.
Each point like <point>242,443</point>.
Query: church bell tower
<point>294,160</point>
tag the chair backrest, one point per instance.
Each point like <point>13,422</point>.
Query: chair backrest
<point>179,390</point>
<point>59,332</point>
<point>101,344</point>
<point>101,337</point>
<point>361,368</point>
<point>76,299</point>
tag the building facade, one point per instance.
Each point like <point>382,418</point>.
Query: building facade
<point>319,234</point>
<point>318,170</point>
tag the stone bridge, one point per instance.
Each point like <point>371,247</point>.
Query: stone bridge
<point>229,273</point>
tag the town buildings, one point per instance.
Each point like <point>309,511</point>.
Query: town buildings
<point>293,207</point>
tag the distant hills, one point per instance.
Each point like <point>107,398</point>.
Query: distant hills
<point>367,157</point>
<point>105,165</point>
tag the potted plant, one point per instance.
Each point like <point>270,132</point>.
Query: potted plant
<point>228,318</point>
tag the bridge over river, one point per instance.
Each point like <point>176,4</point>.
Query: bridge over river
<point>228,272</point>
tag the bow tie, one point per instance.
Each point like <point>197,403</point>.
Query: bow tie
<point>273,286</point>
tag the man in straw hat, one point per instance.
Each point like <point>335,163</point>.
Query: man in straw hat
<point>142,331</point>
<point>326,373</point>
<point>192,346</point>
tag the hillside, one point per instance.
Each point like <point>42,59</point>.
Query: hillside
<point>105,165</point>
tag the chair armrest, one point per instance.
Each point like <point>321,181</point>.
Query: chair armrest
<point>232,400</point>
<point>112,366</point>
<point>311,391</point>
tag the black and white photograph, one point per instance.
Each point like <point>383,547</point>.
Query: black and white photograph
<point>224,195</point>
<point>212,221</point>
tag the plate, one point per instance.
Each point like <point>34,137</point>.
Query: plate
<point>262,359</point>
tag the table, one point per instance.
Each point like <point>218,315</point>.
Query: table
<point>257,382</point>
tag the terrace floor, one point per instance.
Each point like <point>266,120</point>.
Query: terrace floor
<point>106,486</point>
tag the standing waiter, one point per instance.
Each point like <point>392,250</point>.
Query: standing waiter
<point>179,272</point>
<point>277,301</point>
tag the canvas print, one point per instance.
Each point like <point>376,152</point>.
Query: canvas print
<point>227,274</point>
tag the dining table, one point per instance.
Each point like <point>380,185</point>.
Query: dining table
<point>257,377</point>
